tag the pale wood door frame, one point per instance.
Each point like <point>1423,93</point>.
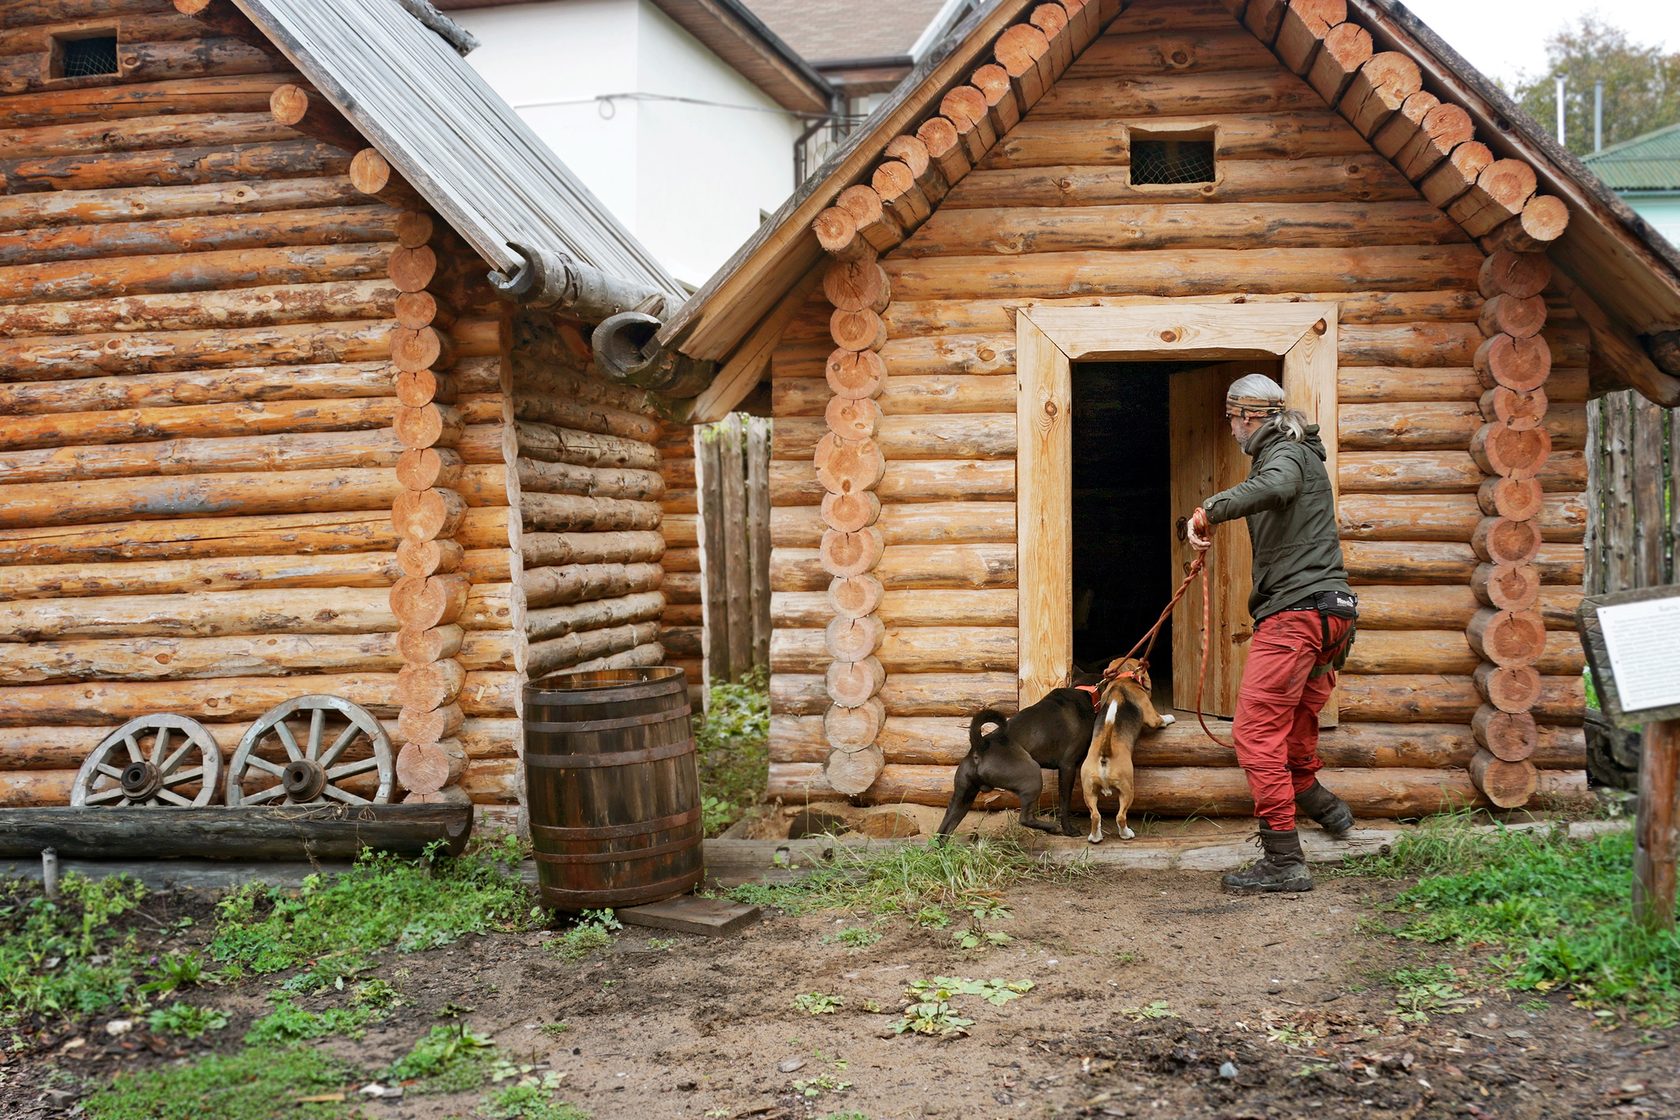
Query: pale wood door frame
<point>1048,340</point>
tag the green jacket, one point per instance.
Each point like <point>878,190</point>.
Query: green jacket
<point>1291,514</point>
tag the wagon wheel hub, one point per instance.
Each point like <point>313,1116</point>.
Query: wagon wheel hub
<point>303,780</point>
<point>141,780</point>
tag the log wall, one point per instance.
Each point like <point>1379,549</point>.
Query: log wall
<point>197,458</point>
<point>1019,192</point>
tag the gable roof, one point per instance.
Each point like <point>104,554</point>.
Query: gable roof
<point>457,143</point>
<point>865,30</point>
<point>1650,162</point>
<point>1606,248</point>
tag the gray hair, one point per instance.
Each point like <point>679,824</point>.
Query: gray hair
<point>1256,387</point>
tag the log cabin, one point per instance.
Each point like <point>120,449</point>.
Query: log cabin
<point>995,330</point>
<point>298,393</point>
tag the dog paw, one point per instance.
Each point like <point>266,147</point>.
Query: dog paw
<point>1127,834</point>
<point>1095,838</point>
<point>1165,720</point>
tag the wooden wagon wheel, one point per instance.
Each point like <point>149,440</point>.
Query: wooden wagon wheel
<point>151,760</point>
<point>288,757</point>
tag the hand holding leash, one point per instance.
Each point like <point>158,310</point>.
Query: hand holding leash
<point>1198,532</point>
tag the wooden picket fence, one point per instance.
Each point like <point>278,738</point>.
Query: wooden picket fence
<point>733,460</point>
<point>1633,506</point>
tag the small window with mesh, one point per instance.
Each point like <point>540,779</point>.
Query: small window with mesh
<point>1171,159</point>
<point>85,56</point>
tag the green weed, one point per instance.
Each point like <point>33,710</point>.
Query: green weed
<point>929,1009</point>
<point>1156,1009</point>
<point>255,1084</point>
<point>592,933</point>
<point>820,1085</point>
<point>817,1003</point>
<point>178,970</point>
<point>65,958</point>
<point>1556,912</point>
<point>382,901</point>
<point>531,1099</point>
<point>853,937</point>
<point>186,1020</point>
<point>1429,991</point>
<point>732,748</point>
<point>447,1059</point>
<point>924,881</point>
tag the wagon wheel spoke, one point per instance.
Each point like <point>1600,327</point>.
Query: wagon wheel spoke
<point>265,765</point>
<point>133,748</point>
<point>184,776</point>
<point>109,771</point>
<point>293,751</point>
<point>159,745</point>
<point>173,798</point>
<point>174,760</point>
<point>345,738</point>
<point>104,795</point>
<point>268,794</point>
<point>344,795</point>
<point>351,769</point>
<point>317,721</point>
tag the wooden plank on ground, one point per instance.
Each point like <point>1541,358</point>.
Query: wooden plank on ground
<point>689,913</point>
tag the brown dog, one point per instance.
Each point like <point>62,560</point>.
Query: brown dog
<point>1123,712</point>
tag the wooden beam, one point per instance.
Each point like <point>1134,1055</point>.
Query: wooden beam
<point>747,365</point>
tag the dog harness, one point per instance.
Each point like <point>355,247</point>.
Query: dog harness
<point>1096,698</point>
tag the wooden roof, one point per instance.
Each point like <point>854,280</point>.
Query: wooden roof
<point>1629,274</point>
<point>451,137</point>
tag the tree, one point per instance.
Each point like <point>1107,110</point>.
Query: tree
<point>1641,84</point>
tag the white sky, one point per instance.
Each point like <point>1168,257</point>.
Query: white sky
<point>1503,38</point>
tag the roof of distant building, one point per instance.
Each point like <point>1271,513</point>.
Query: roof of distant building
<point>1650,162</point>
<point>863,30</point>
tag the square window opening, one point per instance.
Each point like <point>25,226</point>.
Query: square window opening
<point>86,56</point>
<point>1171,160</point>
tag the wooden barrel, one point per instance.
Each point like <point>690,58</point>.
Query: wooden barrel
<point>612,787</point>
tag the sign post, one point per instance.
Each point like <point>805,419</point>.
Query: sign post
<point>1632,642</point>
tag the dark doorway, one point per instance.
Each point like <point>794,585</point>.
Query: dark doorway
<point>1122,515</point>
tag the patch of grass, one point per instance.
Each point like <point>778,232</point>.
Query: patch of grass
<point>1429,991</point>
<point>732,748</point>
<point>1156,1009</point>
<point>63,958</point>
<point>380,902</point>
<point>853,937</point>
<point>1440,844</point>
<point>929,1008</point>
<point>289,1023</point>
<point>531,1099</point>
<point>821,1085</point>
<point>555,1030</point>
<point>447,1059</point>
<point>175,971</point>
<point>255,1084</point>
<point>920,880</point>
<point>592,933</point>
<point>817,1003</point>
<point>661,944</point>
<point>186,1020</point>
<point>1558,914</point>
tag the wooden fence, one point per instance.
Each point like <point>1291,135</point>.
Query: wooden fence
<point>1633,516</point>
<point>733,460</point>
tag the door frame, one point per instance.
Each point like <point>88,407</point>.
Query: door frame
<point>1048,340</point>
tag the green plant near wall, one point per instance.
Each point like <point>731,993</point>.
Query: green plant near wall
<point>732,741</point>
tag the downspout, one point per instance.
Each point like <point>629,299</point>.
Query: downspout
<point>627,317</point>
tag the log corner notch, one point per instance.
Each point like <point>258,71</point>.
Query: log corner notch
<point>430,595</point>
<point>1508,631</point>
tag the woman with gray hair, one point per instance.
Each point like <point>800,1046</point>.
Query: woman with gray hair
<point>1303,624</point>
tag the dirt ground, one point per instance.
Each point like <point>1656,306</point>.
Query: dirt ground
<point>1154,995</point>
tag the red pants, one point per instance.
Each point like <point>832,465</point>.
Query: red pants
<point>1276,725</point>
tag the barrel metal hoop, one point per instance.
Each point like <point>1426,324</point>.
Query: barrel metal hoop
<point>605,693</point>
<point>681,843</point>
<point>622,758</point>
<point>647,720</point>
<point>568,834</point>
<point>665,888</point>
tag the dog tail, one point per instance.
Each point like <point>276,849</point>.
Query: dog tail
<point>980,720</point>
<point>1130,720</point>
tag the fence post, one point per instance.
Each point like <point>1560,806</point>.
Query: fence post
<point>1593,579</point>
<point>732,469</point>
<point>714,594</point>
<point>1648,489</point>
<point>758,535</point>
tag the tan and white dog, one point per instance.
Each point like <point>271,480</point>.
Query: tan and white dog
<point>1124,711</point>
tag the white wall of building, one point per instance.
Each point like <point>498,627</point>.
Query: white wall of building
<point>688,180</point>
<point>1661,210</point>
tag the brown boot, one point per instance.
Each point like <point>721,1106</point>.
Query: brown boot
<point>1282,868</point>
<point>1330,811</point>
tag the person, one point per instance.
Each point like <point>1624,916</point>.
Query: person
<point>1304,616</point>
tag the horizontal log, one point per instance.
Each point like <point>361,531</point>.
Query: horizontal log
<point>169,577</point>
<point>262,308</point>
<point>988,436</point>
<point>194,272</point>
<point>66,429</point>
<point>797,609</point>
<point>923,523</point>
<point>1439,698</point>
<point>1447,517</point>
<point>910,694</point>
<point>274,536</point>
<point>556,586</point>
<point>1182,273</point>
<point>142,659</point>
<point>1374,385</point>
<point>558,621</point>
<point>573,513</point>
<point>905,567</point>
<point>921,649</point>
<point>1444,472</point>
<point>1309,179</point>
<point>253,384</point>
<point>967,231</point>
<point>556,654</point>
<point>538,477</point>
<point>588,449</point>
<point>795,483</point>
<point>331,832</point>
<point>1172,791</point>
<point>1450,607</point>
<point>1264,90</point>
<point>943,741</point>
<point>905,394</point>
<point>342,611</point>
<point>1440,426</point>
<point>587,416</point>
<point>82,503</point>
<point>1047,142</point>
<point>1378,652</point>
<point>542,550</point>
<point>284,452</point>
<point>234,93</point>
<point>170,167</point>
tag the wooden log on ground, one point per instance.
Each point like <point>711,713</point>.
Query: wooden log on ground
<point>288,832</point>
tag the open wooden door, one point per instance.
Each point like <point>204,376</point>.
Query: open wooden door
<point>1205,460</point>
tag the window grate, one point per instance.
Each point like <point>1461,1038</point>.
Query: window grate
<point>86,58</point>
<point>1171,161</point>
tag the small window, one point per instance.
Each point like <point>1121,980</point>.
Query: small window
<point>85,57</point>
<point>1174,159</point>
